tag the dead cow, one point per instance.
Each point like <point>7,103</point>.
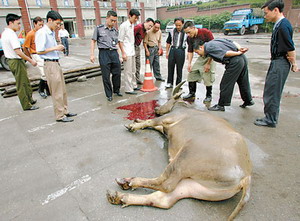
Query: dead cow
<point>209,160</point>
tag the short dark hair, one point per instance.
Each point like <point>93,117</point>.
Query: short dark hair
<point>133,12</point>
<point>37,19</point>
<point>272,4</point>
<point>198,43</point>
<point>54,15</point>
<point>111,13</point>
<point>149,19</point>
<point>12,17</point>
<point>157,22</point>
<point>188,24</point>
<point>179,19</point>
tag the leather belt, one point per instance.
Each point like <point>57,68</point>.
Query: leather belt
<point>177,47</point>
<point>109,49</point>
<point>51,60</point>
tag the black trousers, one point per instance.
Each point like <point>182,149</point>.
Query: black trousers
<point>236,71</point>
<point>110,63</point>
<point>276,77</point>
<point>176,58</point>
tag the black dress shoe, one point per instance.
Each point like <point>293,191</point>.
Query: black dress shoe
<point>189,96</point>
<point>160,79</point>
<point>33,101</point>
<point>245,104</point>
<point>71,114</point>
<point>216,107</point>
<point>131,92</point>
<point>32,108</point>
<point>65,120</point>
<point>137,89</point>
<point>263,123</point>
<point>118,94</point>
<point>109,98</point>
<point>139,82</point>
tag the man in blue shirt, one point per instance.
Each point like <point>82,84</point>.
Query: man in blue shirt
<point>283,59</point>
<point>47,48</point>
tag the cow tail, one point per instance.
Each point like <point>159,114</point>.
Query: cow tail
<point>245,185</point>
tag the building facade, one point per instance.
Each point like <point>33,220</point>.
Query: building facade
<point>80,16</point>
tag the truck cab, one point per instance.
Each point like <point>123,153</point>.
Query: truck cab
<point>243,20</point>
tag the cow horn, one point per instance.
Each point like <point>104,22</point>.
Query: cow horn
<point>176,89</point>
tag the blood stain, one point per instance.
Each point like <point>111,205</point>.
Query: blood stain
<point>142,111</point>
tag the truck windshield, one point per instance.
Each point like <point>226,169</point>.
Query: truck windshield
<point>238,17</point>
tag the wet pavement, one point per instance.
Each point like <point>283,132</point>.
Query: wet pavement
<point>56,171</point>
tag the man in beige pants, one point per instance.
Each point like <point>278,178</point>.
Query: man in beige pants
<point>48,49</point>
<point>126,43</point>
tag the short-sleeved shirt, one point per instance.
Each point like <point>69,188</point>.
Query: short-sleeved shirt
<point>217,48</point>
<point>203,35</point>
<point>282,39</point>
<point>139,34</point>
<point>29,41</point>
<point>126,35</point>
<point>177,38</point>
<point>44,39</point>
<point>107,38</point>
<point>153,38</point>
<point>63,33</point>
<point>10,41</point>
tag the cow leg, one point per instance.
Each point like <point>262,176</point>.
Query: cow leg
<point>186,188</point>
<point>166,182</point>
<point>142,124</point>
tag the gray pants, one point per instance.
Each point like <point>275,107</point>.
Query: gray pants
<point>275,80</point>
<point>236,71</point>
<point>154,61</point>
<point>137,63</point>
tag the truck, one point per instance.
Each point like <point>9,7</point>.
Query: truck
<point>243,20</point>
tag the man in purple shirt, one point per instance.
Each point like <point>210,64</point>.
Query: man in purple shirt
<point>139,34</point>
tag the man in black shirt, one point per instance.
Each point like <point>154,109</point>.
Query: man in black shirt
<point>283,59</point>
<point>236,70</point>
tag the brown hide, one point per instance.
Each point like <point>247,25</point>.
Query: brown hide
<point>209,160</point>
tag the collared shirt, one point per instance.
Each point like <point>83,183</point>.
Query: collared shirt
<point>276,23</point>
<point>126,35</point>
<point>44,39</point>
<point>203,35</point>
<point>107,38</point>
<point>63,33</point>
<point>10,41</point>
<point>282,39</point>
<point>217,49</point>
<point>152,38</point>
<point>29,41</point>
<point>177,38</point>
<point>139,34</point>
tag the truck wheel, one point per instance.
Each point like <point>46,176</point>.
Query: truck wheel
<point>242,30</point>
<point>255,29</point>
<point>3,61</point>
<point>226,32</point>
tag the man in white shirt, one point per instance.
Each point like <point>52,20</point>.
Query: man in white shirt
<point>126,43</point>
<point>63,36</point>
<point>12,50</point>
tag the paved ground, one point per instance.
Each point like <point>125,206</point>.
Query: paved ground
<point>55,171</point>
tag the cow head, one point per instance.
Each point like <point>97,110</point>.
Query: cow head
<point>168,106</point>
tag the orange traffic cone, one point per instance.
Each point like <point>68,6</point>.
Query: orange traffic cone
<point>148,84</point>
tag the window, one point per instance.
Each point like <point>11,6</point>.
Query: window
<point>39,3</point>
<point>5,2</point>
<point>66,3</point>
<point>87,4</point>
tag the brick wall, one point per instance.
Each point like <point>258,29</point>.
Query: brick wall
<point>25,17</point>
<point>79,18</point>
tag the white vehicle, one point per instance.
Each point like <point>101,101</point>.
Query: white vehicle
<point>170,26</point>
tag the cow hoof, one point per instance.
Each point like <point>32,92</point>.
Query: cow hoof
<point>114,197</point>
<point>129,127</point>
<point>124,183</point>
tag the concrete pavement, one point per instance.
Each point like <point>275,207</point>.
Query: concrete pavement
<point>55,171</point>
